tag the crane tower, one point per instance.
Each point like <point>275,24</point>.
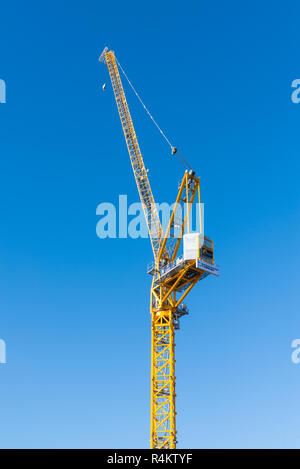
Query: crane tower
<point>173,275</point>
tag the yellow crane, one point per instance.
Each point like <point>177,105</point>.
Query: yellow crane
<point>173,276</point>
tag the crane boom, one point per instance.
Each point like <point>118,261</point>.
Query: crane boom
<point>138,166</point>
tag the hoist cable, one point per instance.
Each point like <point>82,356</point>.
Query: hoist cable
<point>177,153</point>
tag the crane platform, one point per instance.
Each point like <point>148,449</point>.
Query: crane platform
<point>173,268</point>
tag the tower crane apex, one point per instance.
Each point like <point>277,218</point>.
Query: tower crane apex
<point>173,276</point>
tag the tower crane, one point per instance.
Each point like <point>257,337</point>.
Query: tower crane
<point>173,276</point>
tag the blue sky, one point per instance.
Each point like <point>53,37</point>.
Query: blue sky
<point>74,309</point>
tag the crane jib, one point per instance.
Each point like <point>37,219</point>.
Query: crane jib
<point>138,166</point>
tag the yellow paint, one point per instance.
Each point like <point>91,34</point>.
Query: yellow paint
<point>168,294</point>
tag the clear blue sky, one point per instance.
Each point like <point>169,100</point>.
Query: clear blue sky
<point>74,309</point>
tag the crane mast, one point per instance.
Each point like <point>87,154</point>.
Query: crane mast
<point>173,276</point>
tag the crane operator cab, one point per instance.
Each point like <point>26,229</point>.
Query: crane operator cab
<point>197,246</point>
<point>200,248</point>
<point>198,258</point>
